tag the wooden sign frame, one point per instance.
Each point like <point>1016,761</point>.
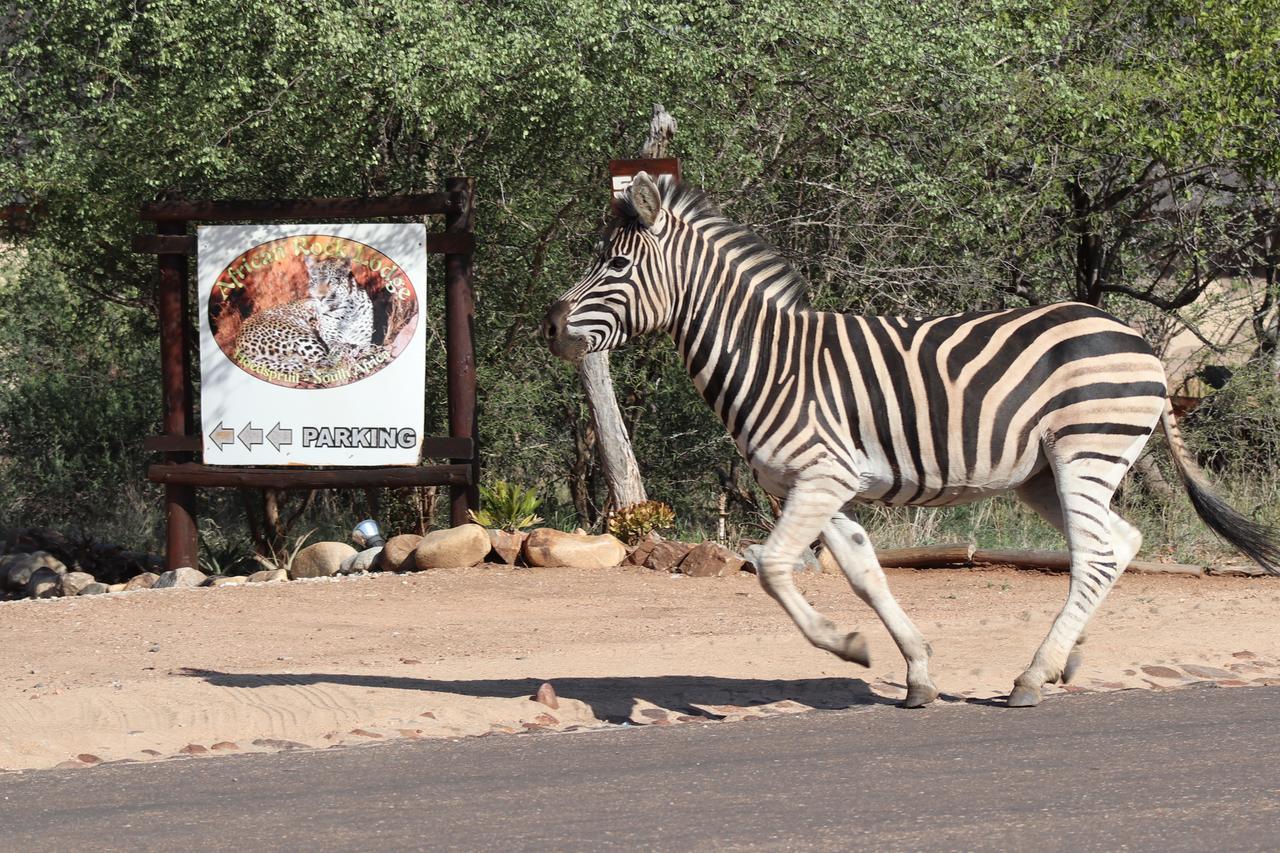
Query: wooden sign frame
<point>627,168</point>
<point>181,474</point>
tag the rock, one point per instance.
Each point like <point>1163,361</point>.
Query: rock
<point>1201,671</point>
<point>320,560</point>
<point>645,713</point>
<point>397,552</point>
<point>548,547</point>
<point>547,696</point>
<point>506,545</point>
<point>95,588</point>
<point>1162,672</point>
<point>268,576</point>
<point>361,561</point>
<point>183,577</point>
<point>278,743</point>
<point>226,580</point>
<point>666,555</point>
<point>43,583</point>
<point>6,563</point>
<point>16,569</point>
<point>146,580</point>
<point>73,583</point>
<point>464,545</point>
<point>710,560</point>
<point>641,552</point>
<point>116,587</point>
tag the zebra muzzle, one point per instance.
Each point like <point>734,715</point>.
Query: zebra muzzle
<point>555,330</point>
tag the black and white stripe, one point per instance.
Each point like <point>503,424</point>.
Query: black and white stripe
<point>1053,402</point>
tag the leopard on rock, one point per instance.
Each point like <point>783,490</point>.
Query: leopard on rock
<point>325,337</point>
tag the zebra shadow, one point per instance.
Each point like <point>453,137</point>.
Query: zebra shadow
<point>610,698</point>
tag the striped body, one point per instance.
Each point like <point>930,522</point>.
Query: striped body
<point>1051,402</point>
<point>931,411</point>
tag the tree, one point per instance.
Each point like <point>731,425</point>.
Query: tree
<point>907,158</point>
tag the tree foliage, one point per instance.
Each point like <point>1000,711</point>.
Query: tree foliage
<point>907,157</point>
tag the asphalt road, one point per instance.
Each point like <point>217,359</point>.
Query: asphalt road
<point>1195,769</point>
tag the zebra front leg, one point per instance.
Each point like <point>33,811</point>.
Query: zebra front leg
<point>849,544</point>
<point>809,508</point>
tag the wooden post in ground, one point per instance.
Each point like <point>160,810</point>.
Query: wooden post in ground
<point>179,500</point>
<point>460,345</point>
<point>617,459</point>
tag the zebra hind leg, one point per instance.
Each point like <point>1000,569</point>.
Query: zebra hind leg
<point>809,508</point>
<point>1101,544</point>
<point>848,542</point>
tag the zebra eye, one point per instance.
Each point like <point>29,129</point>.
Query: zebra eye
<point>619,262</point>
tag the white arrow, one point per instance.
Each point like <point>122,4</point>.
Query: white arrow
<point>250,437</point>
<point>222,436</point>
<point>279,436</point>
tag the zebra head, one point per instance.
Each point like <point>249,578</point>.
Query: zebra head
<point>627,290</point>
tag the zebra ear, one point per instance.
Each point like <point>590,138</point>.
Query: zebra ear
<point>644,198</point>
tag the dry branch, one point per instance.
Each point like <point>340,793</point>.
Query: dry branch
<point>617,459</point>
<point>967,556</point>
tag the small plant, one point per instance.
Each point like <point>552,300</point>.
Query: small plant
<point>222,553</point>
<point>635,522</point>
<point>284,560</point>
<point>506,506</point>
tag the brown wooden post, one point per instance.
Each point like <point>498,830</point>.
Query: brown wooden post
<point>180,500</point>
<point>460,344</point>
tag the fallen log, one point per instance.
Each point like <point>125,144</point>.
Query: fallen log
<point>967,556</point>
<point>1055,560</point>
<point>928,557</point>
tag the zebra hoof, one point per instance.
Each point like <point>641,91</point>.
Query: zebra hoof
<point>919,695</point>
<point>854,649</point>
<point>1023,696</point>
<point>1073,665</point>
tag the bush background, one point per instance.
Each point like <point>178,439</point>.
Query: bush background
<point>907,158</point>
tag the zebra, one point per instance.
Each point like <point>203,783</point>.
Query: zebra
<point>1051,402</point>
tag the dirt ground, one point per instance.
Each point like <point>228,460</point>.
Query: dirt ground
<point>157,673</point>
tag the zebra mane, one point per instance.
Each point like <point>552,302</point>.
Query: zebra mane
<point>692,205</point>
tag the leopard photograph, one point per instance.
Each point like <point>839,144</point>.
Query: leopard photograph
<point>312,320</point>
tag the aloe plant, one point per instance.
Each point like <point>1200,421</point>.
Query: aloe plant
<point>506,506</point>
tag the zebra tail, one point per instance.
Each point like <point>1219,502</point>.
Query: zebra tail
<point>1258,541</point>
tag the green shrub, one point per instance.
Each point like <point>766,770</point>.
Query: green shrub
<point>635,522</point>
<point>1237,428</point>
<point>506,506</point>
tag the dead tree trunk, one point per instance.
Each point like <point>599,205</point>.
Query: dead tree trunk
<point>617,460</point>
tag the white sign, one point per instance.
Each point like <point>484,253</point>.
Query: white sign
<point>312,344</point>
<point>620,184</point>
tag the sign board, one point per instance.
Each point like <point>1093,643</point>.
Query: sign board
<point>621,172</point>
<point>312,343</point>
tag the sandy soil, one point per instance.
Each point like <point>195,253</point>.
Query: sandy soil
<point>157,673</point>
